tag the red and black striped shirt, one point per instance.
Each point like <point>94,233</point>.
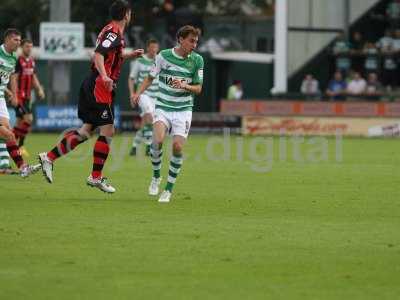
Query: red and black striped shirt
<point>110,44</point>
<point>25,69</point>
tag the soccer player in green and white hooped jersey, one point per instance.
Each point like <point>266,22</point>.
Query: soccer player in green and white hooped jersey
<point>8,61</point>
<point>180,72</point>
<point>140,69</point>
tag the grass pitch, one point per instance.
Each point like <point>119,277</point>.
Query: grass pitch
<point>242,224</point>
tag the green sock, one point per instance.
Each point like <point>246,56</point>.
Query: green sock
<point>4,156</point>
<point>156,156</point>
<point>175,166</point>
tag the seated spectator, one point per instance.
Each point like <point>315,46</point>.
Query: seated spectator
<point>310,87</point>
<point>393,12</point>
<point>337,87</point>
<point>371,63</point>
<point>396,41</point>
<point>341,51</point>
<point>235,91</point>
<point>357,47</point>
<point>373,89</point>
<point>385,42</point>
<point>357,85</point>
<point>389,68</point>
<point>357,41</point>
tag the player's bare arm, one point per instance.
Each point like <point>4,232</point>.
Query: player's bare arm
<point>13,88</point>
<point>9,94</point>
<point>133,54</point>
<point>99,63</point>
<point>131,87</point>
<point>145,84</point>
<point>38,87</point>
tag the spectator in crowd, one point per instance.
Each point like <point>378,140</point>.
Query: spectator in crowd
<point>357,41</point>
<point>389,68</point>
<point>235,91</point>
<point>393,12</point>
<point>357,85</point>
<point>373,89</point>
<point>337,87</point>
<point>396,41</point>
<point>341,51</point>
<point>310,87</point>
<point>385,42</point>
<point>371,63</point>
<point>167,12</point>
<point>357,47</point>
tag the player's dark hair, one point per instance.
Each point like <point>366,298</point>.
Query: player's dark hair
<point>151,41</point>
<point>118,9</point>
<point>26,41</point>
<point>11,31</point>
<point>186,30</point>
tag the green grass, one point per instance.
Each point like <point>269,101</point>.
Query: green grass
<point>322,230</point>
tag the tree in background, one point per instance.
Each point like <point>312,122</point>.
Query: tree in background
<point>20,14</point>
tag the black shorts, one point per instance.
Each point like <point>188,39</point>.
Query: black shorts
<point>89,110</point>
<point>24,109</point>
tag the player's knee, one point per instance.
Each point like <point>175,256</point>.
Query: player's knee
<point>9,136</point>
<point>177,147</point>
<point>148,119</point>
<point>108,131</point>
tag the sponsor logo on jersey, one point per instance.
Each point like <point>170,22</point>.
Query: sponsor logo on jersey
<point>112,36</point>
<point>106,43</point>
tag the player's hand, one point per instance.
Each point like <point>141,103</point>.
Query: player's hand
<point>12,98</point>
<point>134,99</point>
<point>136,53</point>
<point>178,84</point>
<point>41,94</point>
<point>14,101</point>
<point>108,83</point>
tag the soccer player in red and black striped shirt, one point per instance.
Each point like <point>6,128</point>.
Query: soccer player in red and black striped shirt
<point>27,80</point>
<point>96,98</point>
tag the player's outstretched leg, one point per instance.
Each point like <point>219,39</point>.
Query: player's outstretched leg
<point>13,150</point>
<point>68,143</point>
<point>148,137</point>
<point>21,129</point>
<point>100,154</point>
<point>175,166</point>
<point>156,157</point>
<point>159,131</point>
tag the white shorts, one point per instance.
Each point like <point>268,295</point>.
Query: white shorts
<point>177,122</point>
<point>147,105</point>
<point>4,110</point>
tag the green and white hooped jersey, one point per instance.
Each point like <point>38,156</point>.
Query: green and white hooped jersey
<point>140,69</point>
<point>170,66</point>
<point>7,68</point>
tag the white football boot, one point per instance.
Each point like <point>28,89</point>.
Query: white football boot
<point>165,197</point>
<point>47,167</point>
<point>101,184</point>
<point>29,170</point>
<point>154,186</point>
